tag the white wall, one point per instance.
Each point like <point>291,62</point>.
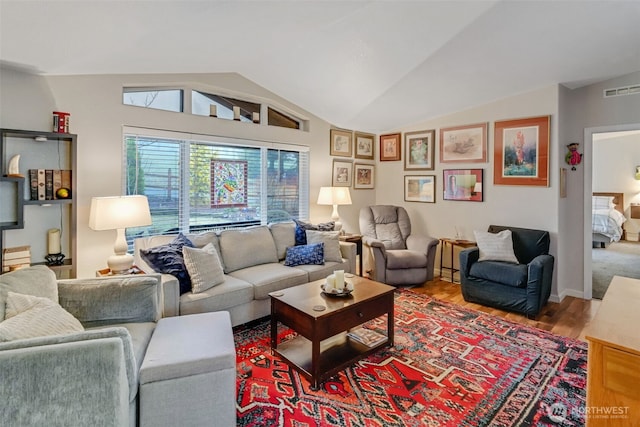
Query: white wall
<point>98,115</point>
<point>520,206</point>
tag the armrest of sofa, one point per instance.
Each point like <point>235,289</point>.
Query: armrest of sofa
<point>349,252</point>
<point>72,379</point>
<point>109,300</point>
<point>170,295</point>
<point>540,278</point>
<point>468,257</point>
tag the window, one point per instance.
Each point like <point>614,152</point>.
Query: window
<point>277,118</point>
<point>197,183</point>
<point>161,99</point>
<point>224,106</point>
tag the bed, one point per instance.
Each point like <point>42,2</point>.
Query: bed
<point>607,218</point>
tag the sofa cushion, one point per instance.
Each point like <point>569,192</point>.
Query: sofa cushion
<point>168,259</point>
<point>398,259</point>
<point>302,227</point>
<point>39,281</point>
<point>284,235</point>
<point>305,254</point>
<point>501,272</point>
<point>247,247</point>
<point>29,316</point>
<point>331,240</point>
<point>272,277</point>
<point>203,266</point>
<point>495,246</point>
<point>140,333</point>
<point>317,272</point>
<point>104,301</point>
<point>230,293</point>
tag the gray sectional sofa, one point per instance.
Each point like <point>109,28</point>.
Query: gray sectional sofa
<point>253,262</point>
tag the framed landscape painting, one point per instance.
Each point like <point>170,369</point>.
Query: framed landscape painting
<point>521,153</point>
<point>464,144</point>
<point>363,176</point>
<point>419,150</point>
<point>342,171</point>
<point>340,142</point>
<point>364,145</point>
<point>463,184</point>
<point>420,188</point>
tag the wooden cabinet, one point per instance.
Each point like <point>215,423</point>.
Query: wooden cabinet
<point>28,220</point>
<point>613,377</point>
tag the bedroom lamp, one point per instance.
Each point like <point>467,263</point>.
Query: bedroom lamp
<point>119,213</point>
<point>334,196</point>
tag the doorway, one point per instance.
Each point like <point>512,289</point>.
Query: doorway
<point>589,135</point>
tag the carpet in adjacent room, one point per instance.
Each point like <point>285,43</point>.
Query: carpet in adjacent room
<point>618,258</point>
<point>450,366</point>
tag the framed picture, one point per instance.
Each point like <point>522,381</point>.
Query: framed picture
<point>342,173</point>
<point>420,188</point>
<point>463,184</point>
<point>228,183</point>
<point>464,144</point>
<point>521,153</point>
<point>364,145</point>
<point>340,142</point>
<point>419,150</point>
<point>390,147</point>
<point>364,176</point>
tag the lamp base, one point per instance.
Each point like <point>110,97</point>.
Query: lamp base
<point>120,264</point>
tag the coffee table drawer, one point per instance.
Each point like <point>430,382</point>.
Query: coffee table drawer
<point>356,315</point>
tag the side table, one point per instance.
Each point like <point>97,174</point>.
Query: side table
<point>357,239</point>
<point>105,272</point>
<point>453,243</point>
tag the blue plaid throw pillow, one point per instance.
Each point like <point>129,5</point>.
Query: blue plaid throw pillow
<point>305,255</point>
<point>168,259</point>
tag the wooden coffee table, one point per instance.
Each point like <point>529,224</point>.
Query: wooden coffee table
<point>316,317</point>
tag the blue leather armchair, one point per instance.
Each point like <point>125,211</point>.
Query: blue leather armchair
<point>522,288</point>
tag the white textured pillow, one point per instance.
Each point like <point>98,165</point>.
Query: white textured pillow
<point>204,267</point>
<point>602,202</point>
<point>29,316</point>
<point>496,246</point>
<point>331,240</point>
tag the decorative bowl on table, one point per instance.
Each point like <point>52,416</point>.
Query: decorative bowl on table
<point>331,291</point>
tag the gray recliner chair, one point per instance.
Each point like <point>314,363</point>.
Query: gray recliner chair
<point>392,254</point>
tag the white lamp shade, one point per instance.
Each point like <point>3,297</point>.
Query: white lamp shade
<point>112,213</point>
<point>334,196</point>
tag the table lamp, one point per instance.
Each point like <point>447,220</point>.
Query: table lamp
<point>334,196</point>
<point>118,213</point>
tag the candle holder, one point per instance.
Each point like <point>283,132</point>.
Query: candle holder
<point>54,259</point>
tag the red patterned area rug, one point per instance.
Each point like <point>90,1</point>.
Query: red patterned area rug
<point>450,366</point>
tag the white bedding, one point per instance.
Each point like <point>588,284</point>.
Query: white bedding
<point>608,222</point>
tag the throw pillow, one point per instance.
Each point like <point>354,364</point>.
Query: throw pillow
<point>30,316</point>
<point>302,227</point>
<point>331,240</point>
<point>602,202</point>
<point>495,246</point>
<point>203,266</point>
<point>168,259</point>
<point>38,280</point>
<point>305,255</point>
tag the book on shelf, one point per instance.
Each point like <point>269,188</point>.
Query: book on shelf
<point>16,257</point>
<point>48,184</point>
<point>57,182</point>
<point>367,337</point>
<point>41,184</point>
<point>65,178</point>
<point>33,184</point>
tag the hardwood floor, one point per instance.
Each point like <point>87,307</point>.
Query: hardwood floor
<point>568,318</point>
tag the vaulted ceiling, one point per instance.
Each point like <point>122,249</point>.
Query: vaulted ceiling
<point>365,65</point>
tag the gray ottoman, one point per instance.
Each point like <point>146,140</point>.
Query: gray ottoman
<point>188,375</point>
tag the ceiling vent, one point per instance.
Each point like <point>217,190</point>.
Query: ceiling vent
<point>620,91</point>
